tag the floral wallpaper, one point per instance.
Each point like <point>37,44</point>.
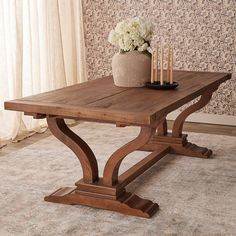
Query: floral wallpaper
<point>203,33</point>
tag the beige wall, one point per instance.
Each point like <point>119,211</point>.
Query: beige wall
<point>202,32</point>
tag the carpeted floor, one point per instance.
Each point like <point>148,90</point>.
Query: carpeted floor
<point>196,196</point>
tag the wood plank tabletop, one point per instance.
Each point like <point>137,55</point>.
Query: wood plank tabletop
<point>101,100</point>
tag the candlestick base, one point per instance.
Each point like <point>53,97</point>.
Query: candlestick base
<point>165,86</point>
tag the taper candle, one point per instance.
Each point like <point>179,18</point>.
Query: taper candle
<point>152,68</point>
<point>156,66</point>
<point>168,66</point>
<point>171,65</point>
<point>161,62</point>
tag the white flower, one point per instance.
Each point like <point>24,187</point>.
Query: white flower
<point>149,49</point>
<point>146,29</point>
<point>132,34</point>
<point>113,37</point>
<point>143,47</point>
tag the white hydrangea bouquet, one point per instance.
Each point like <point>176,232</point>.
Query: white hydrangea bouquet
<point>132,34</point>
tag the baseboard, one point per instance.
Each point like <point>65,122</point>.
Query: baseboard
<point>206,118</point>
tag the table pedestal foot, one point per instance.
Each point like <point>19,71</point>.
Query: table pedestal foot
<point>126,203</point>
<point>177,145</point>
<point>192,150</point>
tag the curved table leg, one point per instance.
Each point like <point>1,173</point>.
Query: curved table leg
<point>190,149</point>
<point>179,121</point>
<point>177,141</point>
<point>110,174</point>
<point>108,192</point>
<point>81,149</point>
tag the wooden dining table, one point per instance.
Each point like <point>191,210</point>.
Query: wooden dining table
<point>101,101</point>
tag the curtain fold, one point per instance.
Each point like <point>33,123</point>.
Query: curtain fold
<point>41,48</point>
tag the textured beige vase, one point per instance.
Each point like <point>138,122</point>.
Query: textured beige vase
<point>131,69</point>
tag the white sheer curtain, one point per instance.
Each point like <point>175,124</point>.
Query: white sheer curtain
<point>41,48</point>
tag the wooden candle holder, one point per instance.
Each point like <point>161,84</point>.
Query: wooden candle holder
<point>164,86</point>
<point>157,79</point>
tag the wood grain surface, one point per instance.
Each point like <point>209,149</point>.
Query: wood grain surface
<point>101,100</point>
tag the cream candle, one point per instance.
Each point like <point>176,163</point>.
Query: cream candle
<point>152,68</point>
<point>168,65</point>
<point>171,65</point>
<point>156,66</point>
<point>161,64</point>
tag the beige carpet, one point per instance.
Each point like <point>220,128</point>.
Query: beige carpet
<point>196,196</point>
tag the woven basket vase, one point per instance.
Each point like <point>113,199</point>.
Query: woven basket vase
<point>131,69</point>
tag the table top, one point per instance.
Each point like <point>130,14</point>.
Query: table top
<point>101,100</point>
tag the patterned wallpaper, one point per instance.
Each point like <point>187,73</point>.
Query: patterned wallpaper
<point>203,33</point>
